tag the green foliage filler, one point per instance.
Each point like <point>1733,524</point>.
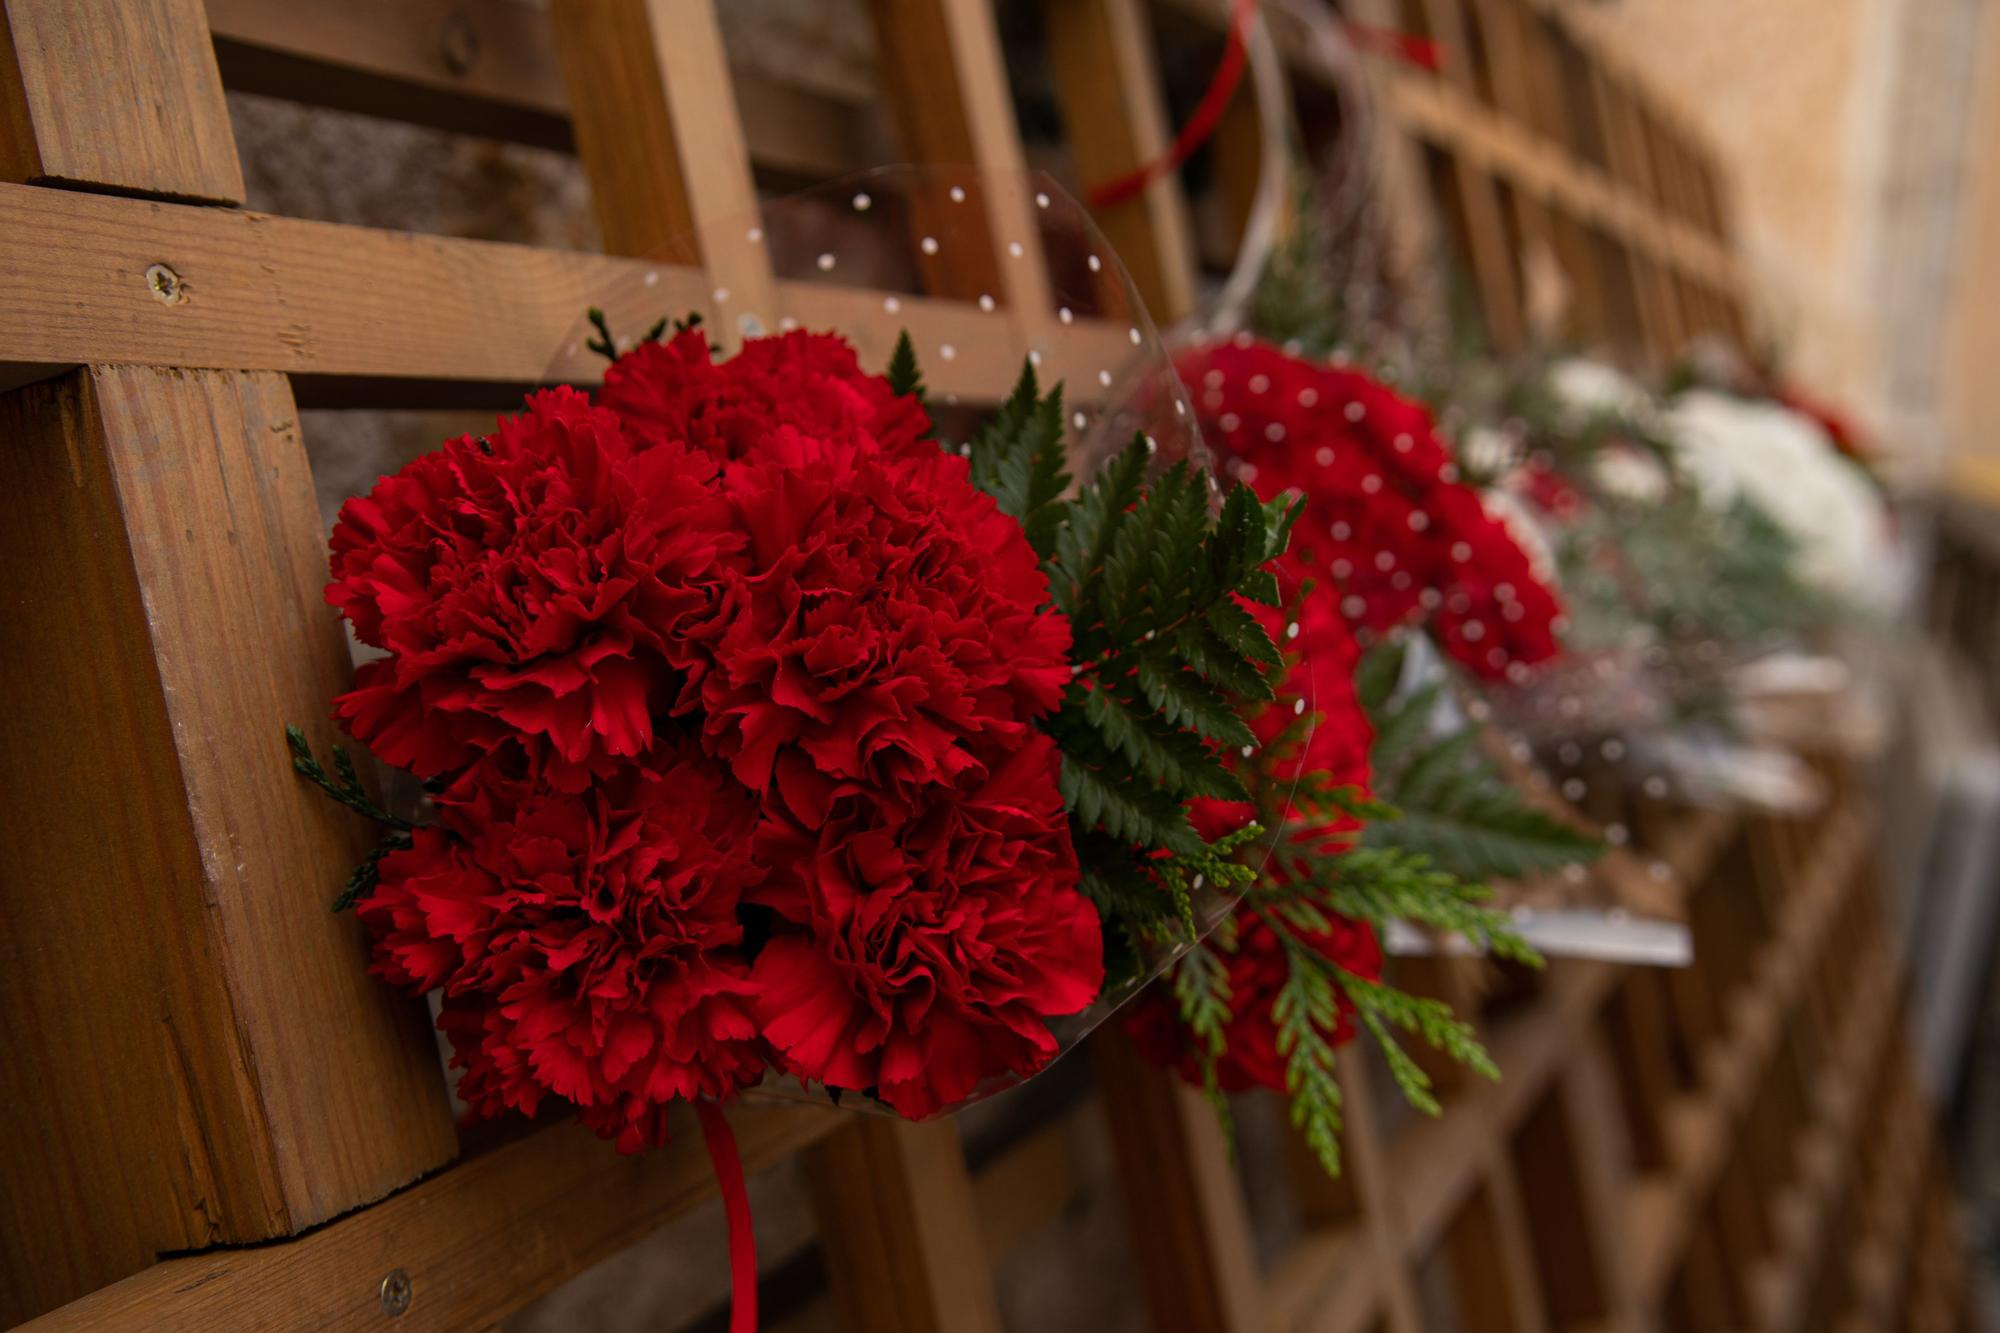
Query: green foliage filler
<point>1152,577</point>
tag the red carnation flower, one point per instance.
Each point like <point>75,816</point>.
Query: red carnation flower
<point>676,391</point>
<point>1550,491</point>
<point>886,618</point>
<point>922,952</point>
<point>587,944</point>
<point>1388,529</point>
<point>537,586</point>
<point>1256,971</point>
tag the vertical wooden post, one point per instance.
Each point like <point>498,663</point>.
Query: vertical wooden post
<point>1413,239</point>
<point>903,1244</point>
<point>115,94</point>
<point>660,136</point>
<point>947,90</point>
<point>1115,111</point>
<point>1382,1206</point>
<point>1492,259</point>
<point>198,1054</point>
<point>1494,1288</point>
<point>1190,1228</point>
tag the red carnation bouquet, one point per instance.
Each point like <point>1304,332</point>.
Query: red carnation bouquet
<point>1384,813</point>
<point>1395,532</point>
<point>772,743</point>
<point>765,735</point>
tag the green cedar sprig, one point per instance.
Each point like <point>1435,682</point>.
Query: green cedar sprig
<point>1307,879</point>
<point>344,786</point>
<point>347,789</point>
<point>606,346</point>
<point>362,881</point>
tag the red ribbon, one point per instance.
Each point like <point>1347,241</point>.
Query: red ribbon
<point>1200,127</point>
<point>1419,51</point>
<point>1207,118</point>
<point>722,1155</point>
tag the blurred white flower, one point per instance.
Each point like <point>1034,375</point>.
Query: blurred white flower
<point>1487,451</point>
<point>1786,465</point>
<point>1589,388</point>
<point>1631,473</point>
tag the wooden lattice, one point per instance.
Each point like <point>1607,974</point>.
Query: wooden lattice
<point>210,1117</point>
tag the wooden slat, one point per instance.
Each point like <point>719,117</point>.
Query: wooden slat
<point>1572,1241</point>
<point>198,1054</point>
<point>1190,1226</point>
<point>1493,1284</point>
<point>335,302</point>
<point>1438,1162</point>
<point>1439,112</point>
<point>905,1253</point>
<point>1826,1148</point>
<point>656,126</point>
<point>1114,110</point>
<point>946,88</point>
<point>1026,1188</point>
<point>488,69</point>
<point>1664,1214</point>
<point>1334,1278</point>
<point>114,94</point>
<point>477,1241</point>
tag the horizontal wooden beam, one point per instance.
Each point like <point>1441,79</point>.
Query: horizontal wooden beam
<point>114,95</point>
<point>98,280</point>
<point>490,70</point>
<point>474,1243</point>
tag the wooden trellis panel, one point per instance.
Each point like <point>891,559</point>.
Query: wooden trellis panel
<point>199,1060</point>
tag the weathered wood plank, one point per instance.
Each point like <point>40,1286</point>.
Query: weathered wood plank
<point>1190,1225</point>
<point>114,94</point>
<point>490,70</point>
<point>905,1253</point>
<point>255,292</point>
<point>476,1242</point>
<point>1114,109</point>
<point>656,126</point>
<point>199,1056</point>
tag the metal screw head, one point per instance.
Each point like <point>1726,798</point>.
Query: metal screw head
<point>397,1290</point>
<point>460,47</point>
<point>165,284</point>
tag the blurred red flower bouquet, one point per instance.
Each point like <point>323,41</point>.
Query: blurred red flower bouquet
<point>766,735</point>
<point>1383,812</point>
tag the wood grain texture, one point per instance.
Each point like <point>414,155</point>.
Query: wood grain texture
<point>115,94</point>
<point>199,1057</point>
<point>1114,110</point>
<point>391,309</point>
<point>384,309</point>
<point>490,70</point>
<point>1487,1286</point>
<point>1190,1225</point>
<point>478,1241</point>
<point>624,124</point>
<point>657,128</point>
<point>949,105</point>
<point>905,1250</point>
